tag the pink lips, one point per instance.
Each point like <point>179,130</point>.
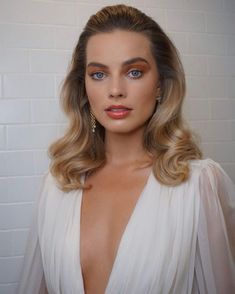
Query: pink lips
<point>117,111</point>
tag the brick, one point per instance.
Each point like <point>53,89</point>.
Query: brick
<point>229,6</point>
<point>29,188</point>
<point>52,13</point>
<point>28,86</point>
<point>19,240</point>
<point>6,248</point>
<point>197,109</point>
<point>13,242</point>
<point>194,65</point>
<point>196,87</point>
<point>231,45</point>
<point>216,87</point>
<point>185,21</point>
<point>213,150</point>
<point>58,84</point>
<point>14,11</point>
<point>15,216</point>
<point>1,88</point>
<point>47,111</point>
<point>10,269</point>
<point>8,288</point>
<point>84,11</point>
<point>14,111</point>
<point>206,87</point>
<point>27,36</point>
<point>157,14</point>
<point>230,87</point>
<point>220,23</point>
<point>66,38</point>
<point>180,41</point>
<point>222,66</point>
<point>178,4</point>
<point>113,2</point>
<point>62,129</point>
<point>2,137</point>
<point>233,129</point>
<point>223,109</point>
<point>14,60</point>
<point>41,161</point>
<point>208,5</point>
<point>186,109</point>
<point>214,130</point>
<point>31,137</point>
<point>207,44</point>
<point>50,61</point>
<point>17,163</point>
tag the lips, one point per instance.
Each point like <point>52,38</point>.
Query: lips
<point>117,111</point>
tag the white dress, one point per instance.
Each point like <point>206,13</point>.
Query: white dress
<point>178,239</point>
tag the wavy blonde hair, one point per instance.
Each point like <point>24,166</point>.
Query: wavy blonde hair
<point>166,137</point>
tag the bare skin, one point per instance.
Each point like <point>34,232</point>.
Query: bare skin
<point>116,187</point>
<point>106,210</point>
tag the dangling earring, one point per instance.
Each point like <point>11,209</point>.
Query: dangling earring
<point>93,122</point>
<point>159,99</point>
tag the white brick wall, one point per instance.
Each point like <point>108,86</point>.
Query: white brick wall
<point>36,42</point>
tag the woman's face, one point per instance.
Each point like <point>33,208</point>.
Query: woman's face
<point>122,80</point>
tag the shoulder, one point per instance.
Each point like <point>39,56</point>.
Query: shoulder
<point>50,186</point>
<point>206,167</point>
<point>49,180</point>
<point>202,164</point>
<point>212,178</point>
<point>51,183</point>
<point>208,175</point>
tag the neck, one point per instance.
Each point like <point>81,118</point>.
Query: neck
<point>126,149</point>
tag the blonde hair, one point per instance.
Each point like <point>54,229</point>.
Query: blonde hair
<point>166,137</point>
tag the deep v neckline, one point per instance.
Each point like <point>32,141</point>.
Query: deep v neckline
<point>121,241</point>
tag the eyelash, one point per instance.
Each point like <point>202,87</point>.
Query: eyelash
<point>137,70</point>
<point>100,72</point>
<point>94,74</point>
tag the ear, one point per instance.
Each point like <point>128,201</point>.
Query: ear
<point>158,92</point>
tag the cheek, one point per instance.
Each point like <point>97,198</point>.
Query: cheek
<point>147,96</point>
<point>91,95</point>
<point>149,105</point>
<point>89,89</point>
<point>95,92</point>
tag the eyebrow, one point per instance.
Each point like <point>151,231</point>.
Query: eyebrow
<point>127,62</point>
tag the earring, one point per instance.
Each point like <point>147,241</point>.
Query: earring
<point>93,122</point>
<point>159,99</point>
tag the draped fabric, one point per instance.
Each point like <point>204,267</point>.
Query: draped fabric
<point>178,239</point>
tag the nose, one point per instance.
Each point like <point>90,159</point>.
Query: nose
<point>117,88</point>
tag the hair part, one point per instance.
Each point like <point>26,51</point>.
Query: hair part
<point>167,137</point>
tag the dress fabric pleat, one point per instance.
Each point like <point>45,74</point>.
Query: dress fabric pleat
<point>178,240</point>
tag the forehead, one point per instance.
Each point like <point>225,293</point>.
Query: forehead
<point>117,46</point>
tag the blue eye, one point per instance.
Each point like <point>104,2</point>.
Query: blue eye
<point>98,75</point>
<point>135,73</point>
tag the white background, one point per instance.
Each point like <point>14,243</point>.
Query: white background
<point>36,42</point>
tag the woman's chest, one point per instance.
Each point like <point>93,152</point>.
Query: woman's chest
<point>104,218</point>
<point>140,253</point>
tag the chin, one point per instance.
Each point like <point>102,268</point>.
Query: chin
<point>124,129</point>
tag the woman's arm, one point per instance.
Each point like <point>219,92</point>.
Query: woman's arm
<point>215,256</point>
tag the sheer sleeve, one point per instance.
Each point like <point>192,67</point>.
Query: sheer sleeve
<point>32,277</point>
<point>215,253</point>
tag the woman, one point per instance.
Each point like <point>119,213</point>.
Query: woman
<point>129,206</point>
